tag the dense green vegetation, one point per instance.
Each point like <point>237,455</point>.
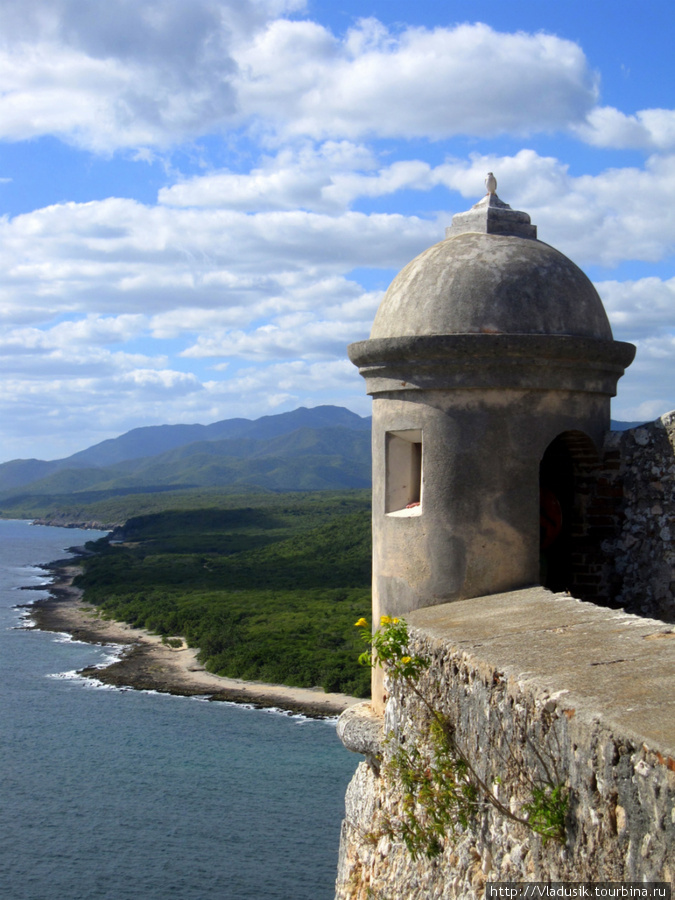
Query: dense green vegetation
<point>114,507</point>
<point>268,589</point>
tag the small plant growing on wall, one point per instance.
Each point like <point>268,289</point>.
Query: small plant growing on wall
<point>441,788</point>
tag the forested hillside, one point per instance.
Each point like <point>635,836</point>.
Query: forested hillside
<point>266,592</point>
<point>323,448</point>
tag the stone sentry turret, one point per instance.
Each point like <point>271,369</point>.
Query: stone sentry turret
<point>486,348</point>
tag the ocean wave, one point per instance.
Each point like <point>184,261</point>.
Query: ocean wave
<point>86,681</point>
<point>64,637</point>
<point>114,652</point>
<point>24,618</point>
<point>299,718</point>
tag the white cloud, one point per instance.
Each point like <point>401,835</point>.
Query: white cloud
<point>274,285</point>
<point>645,391</point>
<point>107,304</point>
<point>76,412</point>
<point>97,330</point>
<point>122,73</point>
<point>643,313</point>
<point>31,356</point>
<point>237,292</point>
<point>418,82</point>
<point>292,384</point>
<point>619,214</point>
<point>648,129</point>
<point>301,177</point>
<point>53,416</point>
<point>120,257</point>
<point>162,381</point>
<point>295,336</point>
<point>130,75</point>
<point>334,298</point>
<point>86,271</point>
<point>639,308</point>
<point>325,178</point>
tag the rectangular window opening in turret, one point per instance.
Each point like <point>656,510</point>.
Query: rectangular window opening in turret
<point>403,474</point>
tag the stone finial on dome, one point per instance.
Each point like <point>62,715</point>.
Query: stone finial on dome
<point>492,216</point>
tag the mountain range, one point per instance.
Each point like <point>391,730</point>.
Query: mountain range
<point>327,447</point>
<point>324,448</point>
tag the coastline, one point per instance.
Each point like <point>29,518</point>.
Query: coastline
<point>148,664</point>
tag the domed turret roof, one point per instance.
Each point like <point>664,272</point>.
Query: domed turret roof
<point>491,276</point>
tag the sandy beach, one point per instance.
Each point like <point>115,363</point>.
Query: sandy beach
<point>148,664</point>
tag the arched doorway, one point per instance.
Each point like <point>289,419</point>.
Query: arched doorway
<point>565,486</point>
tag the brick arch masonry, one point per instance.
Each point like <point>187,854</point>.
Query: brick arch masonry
<point>567,475</point>
<point>622,522</point>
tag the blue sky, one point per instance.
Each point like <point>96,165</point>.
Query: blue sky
<point>204,200</point>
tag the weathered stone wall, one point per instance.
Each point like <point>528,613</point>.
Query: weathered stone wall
<point>524,698</point>
<point>637,485</point>
<point>602,718</point>
<point>623,552</point>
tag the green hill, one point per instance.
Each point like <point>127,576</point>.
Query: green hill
<point>143,443</point>
<point>308,458</point>
<point>267,593</point>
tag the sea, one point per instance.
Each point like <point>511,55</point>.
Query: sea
<point>112,794</point>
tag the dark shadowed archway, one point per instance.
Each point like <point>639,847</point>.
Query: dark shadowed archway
<point>566,484</point>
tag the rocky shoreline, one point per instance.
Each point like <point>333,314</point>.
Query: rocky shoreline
<point>58,520</point>
<point>148,664</point>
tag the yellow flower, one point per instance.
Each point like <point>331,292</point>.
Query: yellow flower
<point>396,621</point>
<point>385,620</point>
<point>406,659</point>
<point>361,623</point>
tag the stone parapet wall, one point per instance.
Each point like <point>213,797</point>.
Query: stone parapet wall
<point>533,683</point>
<point>636,489</point>
<point>623,529</point>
